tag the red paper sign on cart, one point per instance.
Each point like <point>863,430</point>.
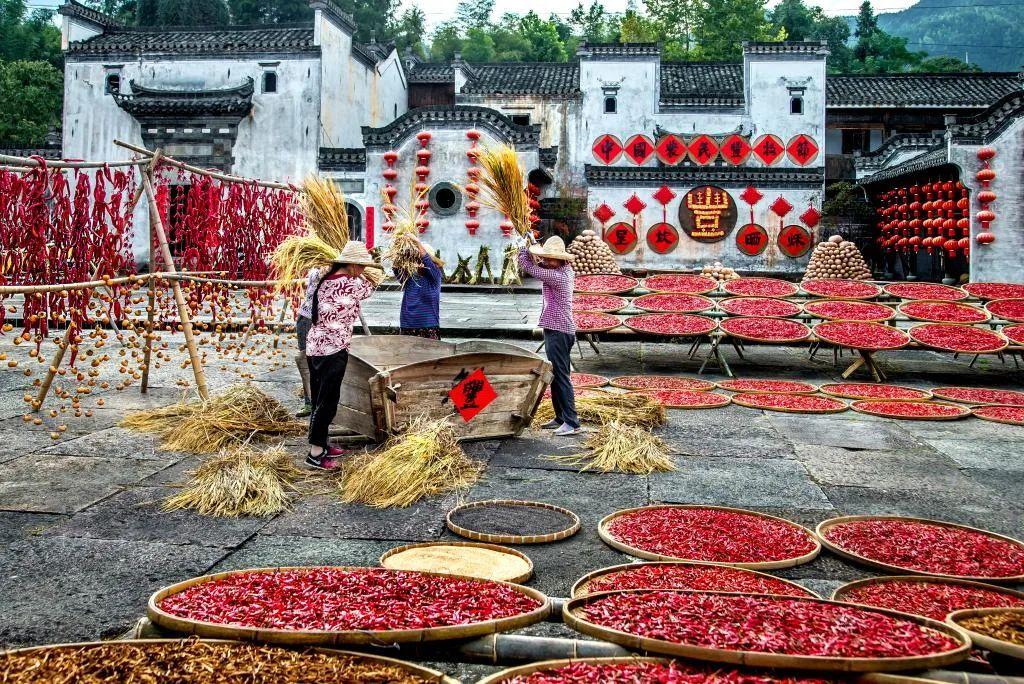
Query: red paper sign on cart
<point>472,395</point>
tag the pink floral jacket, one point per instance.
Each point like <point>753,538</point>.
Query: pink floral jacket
<point>337,313</point>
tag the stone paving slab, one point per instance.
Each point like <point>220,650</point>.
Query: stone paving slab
<point>743,482</point>
<point>175,473</point>
<point>263,551</point>
<point>328,517</point>
<point>16,441</point>
<point>531,451</point>
<point>113,442</point>
<point>17,526</point>
<point>1008,485</point>
<point>709,445</point>
<point>60,589</point>
<point>921,469</point>
<point>100,419</point>
<point>845,433</point>
<point>1005,455</point>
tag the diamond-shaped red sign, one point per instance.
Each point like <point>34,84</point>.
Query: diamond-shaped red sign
<point>603,213</point>
<point>639,148</point>
<point>802,149</point>
<point>751,195</point>
<point>607,149</point>
<point>795,241</point>
<point>472,395</point>
<point>662,238</point>
<point>811,217</point>
<point>781,206</point>
<point>736,149</point>
<point>703,149</point>
<point>769,149</point>
<point>751,239</point>
<point>634,205</point>
<point>671,149</point>
<point>664,195</point>
<point>621,238</point>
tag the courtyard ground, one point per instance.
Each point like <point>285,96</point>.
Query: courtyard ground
<point>84,543</point>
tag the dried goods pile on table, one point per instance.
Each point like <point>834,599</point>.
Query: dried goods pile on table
<point>620,447</point>
<point>198,662</point>
<point>695,576</point>
<point>837,258</point>
<point>719,272</point>
<point>930,598</point>
<point>342,599</point>
<point>1008,626</point>
<point>592,255</point>
<point>670,672</point>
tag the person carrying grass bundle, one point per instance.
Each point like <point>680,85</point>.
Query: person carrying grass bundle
<point>551,265</point>
<point>334,309</point>
<point>421,296</point>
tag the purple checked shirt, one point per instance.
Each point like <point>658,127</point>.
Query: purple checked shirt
<point>556,284</point>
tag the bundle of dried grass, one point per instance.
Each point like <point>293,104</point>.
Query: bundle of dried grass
<point>403,252</point>
<point>296,256</point>
<point>510,274</point>
<point>240,481</point>
<point>503,186</point>
<point>462,273</point>
<point>623,448</point>
<point>235,416</point>
<point>324,207</point>
<point>637,410</point>
<point>425,460</point>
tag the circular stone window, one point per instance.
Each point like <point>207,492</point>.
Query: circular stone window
<point>445,199</point>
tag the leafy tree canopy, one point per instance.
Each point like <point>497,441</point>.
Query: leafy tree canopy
<point>31,92</point>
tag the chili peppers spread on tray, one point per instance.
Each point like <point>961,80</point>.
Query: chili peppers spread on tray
<point>692,576</point>
<point>600,303</point>
<point>838,310</point>
<point>1014,333</point>
<point>957,338</point>
<point>911,409</point>
<point>925,291</point>
<point>995,290</point>
<point>929,547</point>
<point>761,287</point>
<point>1008,626</point>
<point>675,672</point>
<point>943,312</point>
<point>867,390</point>
<point>934,600</point>
<point>604,284</point>
<point>681,283</point>
<point>793,403</point>
<point>582,380</point>
<point>859,335</point>
<point>841,289</point>
<point>1008,309</point>
<point>338,600</point>
<point>588,321</point>
<point>765,624</point>
<point>1001,414</point>
<point>767,386</point>
<point>710,534</point>
<point>980,395</point>
<point>671,324</point>
<point>661,382</point>
<point>673,303</point>
<point>765,307</point>
<point>765,329</point>
<point>673,398</point>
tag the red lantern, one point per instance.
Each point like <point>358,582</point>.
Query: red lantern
<point>473,153</point>
<point>961,204</point>
<point>387,226</point>
<point>986,217</point>
<point>389,210</point>
<point>473,134</point>
<point>390,157</point>
<point>473,172</point>
<point>420,188</point>
<point>963,224</point>
<point>533,189</point>
<point>963,243</point>
<point>915,242</point>
<point>985,238</point>
<point>390,191</point>
<point>423,204</point>
<point>506,227</point>
<point>390,174</point>
<point>472,208</point>
<point>472,189</point>
<point>422,172</point>
<point>986,197</point>
<point>472,225</point>
<point>985,176</point>
<point>423,156</point>
<point>424,137</point>
<point>423,224</point>
<point>986,153</point>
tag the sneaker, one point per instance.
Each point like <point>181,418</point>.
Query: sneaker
<point>335,451</point>
<point>566,430</point>
<point>551,425</point>
<point>305,411</point>
<point>322,462</point>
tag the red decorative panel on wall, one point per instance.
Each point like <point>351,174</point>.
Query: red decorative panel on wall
<point>707,214</point>
<point>671,148</point>
<point>664,195</point>
<point>802,149</point>
<point>703,149</point>
<point>621,238</point>
<point>795,241</point>
<point>639,149</point>
<point>634,205</point>
<point>781,206</point>
<point>736,149</point>
<point>607,149</point>
<point>769,149</point>
<point>751,239</point>
<point>603,213</point>
<point>751,195</point>
<point>662,238</point>
<point>811,217</point>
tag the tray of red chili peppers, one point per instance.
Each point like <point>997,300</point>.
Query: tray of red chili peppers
<point>765,329</point>
<point>929,547</point>
<point>925,291</point>
<point>710,534</point>
<point>870,390</point>
<point>681,283</point>
<point>841,289</point>
<point>671,324</point>
<point>670,302</point>
<point>1007,309</point>
<point>1010,415</point>
<point>686,399</point>
<point>758,386</point>
<point>327,606</point>
<point>943,312</point>
<point>599,303</point>
<point>685,575</point>
<point>1014,333</point>
<point>931,597</point>
<point>980,395</point>
<point>953,337</point>
<point>995,290</point>
<point>767,631</point>
<point>604,284</point>
<point>844,310</point>
<point>765,307</point>
<point>790,403</point>
<point>591,322</point>
<point>760,287</point>
<point>859,335</point>
<point>910,410</point>
<point>638,382</point>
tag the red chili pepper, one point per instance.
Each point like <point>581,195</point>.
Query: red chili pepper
<point>693,576</point>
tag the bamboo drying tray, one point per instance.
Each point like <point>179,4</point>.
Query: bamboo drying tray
<point>983,640</point>
<point>987,315</point>
<point>581,587</point>
<point>840,395</point>
<point>607,538</point>
<point>825,525</point>
<point>794,289</point>
<point>810,312</point>
<point>774,660</point>
<point>740,401</point>
<point>695,333</point>
<point>572,529</point>
<point>639,303</point>
<point>723,401</point>
<point>332,638</point>
<point>706,385</point>
<point>610,325</point>
<point>811,292</point>
<point>1004,421</point>
<point>620,291</point>
<point>514,578</point>
<point>1012,319</point>
<point>424,672</point>
<point>751,338</point>
<point>966,411</point>
<point>723,303</point>
<point>841,592</point>
<point>725,385</point>
<point>703,291</point>
<point>997,350</point>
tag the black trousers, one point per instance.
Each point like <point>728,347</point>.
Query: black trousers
<point>325,375</point>
<point>558,346</point>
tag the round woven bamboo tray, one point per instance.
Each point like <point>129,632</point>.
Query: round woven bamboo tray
<point>841,592</point>
<point>825,525</point>
<point>622,303</point>
<point>733,287</point>
<point>332,638</point>
<point>723,399</point>
<point>809,309</point>
<point>986,316</point>
<point>979,412</point>
<point>643,303</point>
<point>876,290</point>
<point>418,670</point>
<point>727,386</point>
<point>607,538</point>
<point>768,340</point>
<point>741,400</point>
<point>996,350</point>
<point>723,305</point>
<point>508,576</point>
<point>611,323</point>
<point>944,394</point>
<point>618,291</point>
<point>848,345</point>
<point>512,538</point>
<point>978,290</point>
<point>699,385</point>
<point>983,640</point>
<point>824,389</point>
<point>996,303</point>
<point>712,325</point>
<point>1014,333</point>
<point>710,284</point>
<point>581,586</point>
<point>862,409</point>
<point>775,660</point>
<point>581,381</point>
<point>892,289</point>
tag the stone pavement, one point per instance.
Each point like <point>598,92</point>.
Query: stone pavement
<point>85,544</point>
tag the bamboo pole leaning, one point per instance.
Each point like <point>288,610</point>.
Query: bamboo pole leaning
<point>23,163</point>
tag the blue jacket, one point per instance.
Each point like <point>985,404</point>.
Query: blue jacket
<point>421,297</point>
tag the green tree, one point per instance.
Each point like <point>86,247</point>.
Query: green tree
<point>637,28</point>
<point>28,36</point>
<point>726,23</point>
<point>269,11</point>
<point>867,28</point>
<point>31,92</point>
<point>509,43</point>
<point>545,43</point>
<point>474,13</point>
<point>676,20</point>
<point>945,63</point>
<point>796,18</point>
<point>446,42</point>
<point>410,32</point>
<point>124,11</point>
<point>478,46</point>
<point>373,18</point>
<point>147,12</point>
<point>592,24</point>
<point>803,22</point>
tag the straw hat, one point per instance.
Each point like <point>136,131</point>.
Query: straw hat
<point>355,253</point>
<point>553,248</point>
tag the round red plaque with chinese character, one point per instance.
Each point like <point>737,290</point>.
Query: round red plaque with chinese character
<point>707,214</point>
<point>751,239</point>
<point>662,238</point>
<point>795,241</point>
<point>607,149</point>
<point>769,149</point>
<point>802,149</point>
<point>703,149</point>
<point>736,149</point>
<point>639,148</point>
<point>621,238</point>
<point>671,148</point>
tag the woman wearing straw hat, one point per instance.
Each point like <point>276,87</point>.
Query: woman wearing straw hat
<point>421,296</point>
<point>550,264</point>
<point>334,309</point>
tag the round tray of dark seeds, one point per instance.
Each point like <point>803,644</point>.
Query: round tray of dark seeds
<point>507,521</point>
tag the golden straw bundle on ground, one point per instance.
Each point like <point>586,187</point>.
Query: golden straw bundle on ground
<point>425,460</point>
<point>604,407</point>
<point>503,185</point>
<point>240,481</point>
<point>324,207</point>
<point>623,448</point>
<point>235,416</point>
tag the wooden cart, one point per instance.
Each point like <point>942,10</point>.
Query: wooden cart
<point>391,379</point>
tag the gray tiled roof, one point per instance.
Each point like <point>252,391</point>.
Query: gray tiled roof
<point>789,47</point>
<point>620,49</point>
<point>80,11</point>
<point>922,162</point>
<point>228,39</point>
<point>920,90</point>
<point>342,159</point>
<point>704,83</point>
<point>148,101</point>
<point>539,78</point>
<point>432,72</point>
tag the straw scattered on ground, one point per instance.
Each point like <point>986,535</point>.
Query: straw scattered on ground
<point>323,205</point>
<point>425,460</point>
<point>236,416</point>
<point>240,481</point>
<point>636,410</point>
<point>622,448</point>
<point>503,185</point>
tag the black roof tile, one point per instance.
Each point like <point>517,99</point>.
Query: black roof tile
<point>702,83</point>
<point>538,78</point>
<point>80,11</point>
<point>432,72</point>
<point>191,41</point>
<point>920,90</point>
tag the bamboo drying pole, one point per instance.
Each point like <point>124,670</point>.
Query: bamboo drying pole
<point>179,298</point>
<point>150,315</point>
<point>24,163</point>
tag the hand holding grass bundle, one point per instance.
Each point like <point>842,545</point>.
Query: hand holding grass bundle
<point>503,186</point>
<point>403,252</point>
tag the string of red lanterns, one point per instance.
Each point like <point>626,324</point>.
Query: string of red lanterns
<point>986,197</point>
<point>933,215</point>
<point>471,189</point>
<point>389,191</point>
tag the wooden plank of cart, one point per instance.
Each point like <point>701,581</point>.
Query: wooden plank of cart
<point>391,379</point>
